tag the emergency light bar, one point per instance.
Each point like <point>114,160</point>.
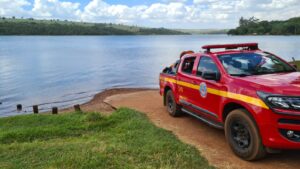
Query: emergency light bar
<point>249,46</point>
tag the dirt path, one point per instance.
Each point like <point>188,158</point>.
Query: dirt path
<point>211,142</point>
<point>97,104</point>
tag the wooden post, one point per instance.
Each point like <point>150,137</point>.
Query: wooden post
<point>54,110</point>
<point>35,109</point>
<point>19,107</point>
<point>77,108</point>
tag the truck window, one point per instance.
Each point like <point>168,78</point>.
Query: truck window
<point>206,64</point>
<point>248,64</point>
<point>187,65</point>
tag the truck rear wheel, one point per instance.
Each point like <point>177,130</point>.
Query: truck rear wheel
<point>172,107</point>
<point>243,136</point>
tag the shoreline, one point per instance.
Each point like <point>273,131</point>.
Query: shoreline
<point>98,103</point>
<point>95,104</point>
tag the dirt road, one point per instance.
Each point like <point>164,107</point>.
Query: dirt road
<point>210,142</point>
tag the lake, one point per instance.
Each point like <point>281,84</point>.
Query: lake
<point>66,70</point>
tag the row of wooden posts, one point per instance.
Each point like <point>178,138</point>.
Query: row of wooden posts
<point>35,108</point>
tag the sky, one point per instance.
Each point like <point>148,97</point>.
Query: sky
<point>188,14</point>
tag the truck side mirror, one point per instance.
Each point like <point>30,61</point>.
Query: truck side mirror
<point>209,75</point>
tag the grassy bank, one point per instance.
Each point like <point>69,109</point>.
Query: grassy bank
<point>126,139</point>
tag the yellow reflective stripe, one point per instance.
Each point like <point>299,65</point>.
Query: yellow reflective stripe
<point>189,85</point>
<point>169,80</point>
<point>240,97</point>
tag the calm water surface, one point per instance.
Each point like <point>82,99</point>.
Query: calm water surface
<point>65,70</point>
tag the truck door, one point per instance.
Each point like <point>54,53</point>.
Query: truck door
<point>203,101</point>
<point>184,76</point>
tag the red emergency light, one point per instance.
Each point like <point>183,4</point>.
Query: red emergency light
<point>248,46</point>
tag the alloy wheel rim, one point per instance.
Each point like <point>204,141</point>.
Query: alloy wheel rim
<point>240,134</point>
<point>170,103</point>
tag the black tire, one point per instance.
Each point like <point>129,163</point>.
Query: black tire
<point>243,136</point>
<point>172,107</point>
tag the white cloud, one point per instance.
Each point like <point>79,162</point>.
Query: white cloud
<point>168,13</point>
<point>204,1</point>
<point>168,1</point>
<point>55,9</point>
<point>13,7</point>
<point>279,4</point>
<point>98,10</point>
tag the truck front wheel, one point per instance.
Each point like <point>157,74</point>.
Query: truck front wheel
<point>172,107</point>
<point>243,136</point>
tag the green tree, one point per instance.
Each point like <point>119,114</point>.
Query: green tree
<point>254,26</point>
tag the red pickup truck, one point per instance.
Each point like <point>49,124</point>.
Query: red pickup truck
<point>252,94</point>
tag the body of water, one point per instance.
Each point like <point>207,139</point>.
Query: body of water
<point>65,70</point>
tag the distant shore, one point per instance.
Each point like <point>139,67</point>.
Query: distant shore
<point>254,26</point>
<point>14,26</point>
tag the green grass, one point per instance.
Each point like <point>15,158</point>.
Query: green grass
<point>126,139</point>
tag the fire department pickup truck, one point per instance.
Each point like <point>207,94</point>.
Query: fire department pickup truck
<point>252,94</point>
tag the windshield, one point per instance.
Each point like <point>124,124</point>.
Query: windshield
<point>246,64</point>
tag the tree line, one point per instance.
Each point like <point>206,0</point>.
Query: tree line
<point>30,26</point>
<point>253,26</point>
